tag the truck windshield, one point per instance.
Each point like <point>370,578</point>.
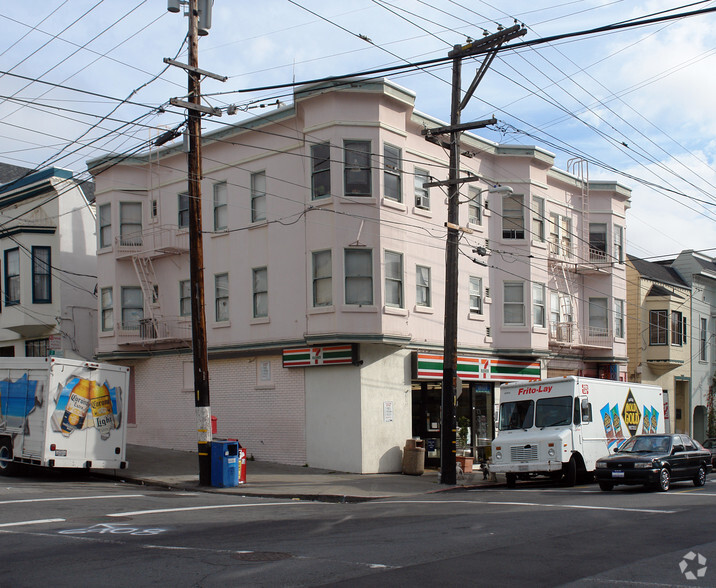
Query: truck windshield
<point>516,415</point>
<point>553,411</point>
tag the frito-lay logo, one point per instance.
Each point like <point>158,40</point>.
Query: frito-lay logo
<point>631,415</point>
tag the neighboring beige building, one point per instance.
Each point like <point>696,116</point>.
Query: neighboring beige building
<point>658,305</point>
<point>324,271</point>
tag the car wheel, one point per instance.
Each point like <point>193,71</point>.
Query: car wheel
<point>606,486</point>
<point>664,480</point>
<point>570,473</point>
<point>511,480</point>
<point>7,466</point>
<point>700,478</point>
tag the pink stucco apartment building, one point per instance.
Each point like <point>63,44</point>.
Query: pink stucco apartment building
<point>324,261</point>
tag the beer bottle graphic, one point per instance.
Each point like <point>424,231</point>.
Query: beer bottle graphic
<point>77,406</point>
<point>102,413</point>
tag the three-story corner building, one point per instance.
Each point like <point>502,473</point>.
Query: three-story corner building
<point>324,261</point>
<point>47,265</point>
<point>659,303</point>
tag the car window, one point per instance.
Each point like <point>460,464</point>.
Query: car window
<point>707,444</point>
<point>688,445</point>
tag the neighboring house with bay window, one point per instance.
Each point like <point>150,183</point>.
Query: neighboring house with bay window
<point>48,265</point>
<point>324,267</point>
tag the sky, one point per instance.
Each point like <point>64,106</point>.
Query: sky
<point>83,78</point>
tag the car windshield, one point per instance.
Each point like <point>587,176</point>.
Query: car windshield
<point>516,415</point>
<point>655,444</point>
<point>553,411</point>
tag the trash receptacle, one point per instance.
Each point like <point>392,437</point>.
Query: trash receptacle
<point>224,464</point>
<point>414,457</point>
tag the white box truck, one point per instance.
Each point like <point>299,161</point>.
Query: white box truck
<point>559,427</point>
<point>62,413</point>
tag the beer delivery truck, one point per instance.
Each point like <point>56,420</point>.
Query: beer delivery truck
<point>63,413</point>
<point>559,427</point>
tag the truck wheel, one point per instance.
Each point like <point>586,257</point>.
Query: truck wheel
<point>664,480</point>
<point>700,478</point>
<point>7,466</point>
<point>511,480</point>
<point>606,486</point>
<point>570,473</point>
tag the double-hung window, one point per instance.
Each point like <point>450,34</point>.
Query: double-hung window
<point>221,207</point>
<point>320,170</point>
<point>41,276</point>
<point>322,278</point>
<point>107,307</point>
<point>130,223</point>
<point>538,305</point>
<point>619,330</point>
<point>514,304</point>
<point>356,169</point>
<point>185,298</point>
<point>183,210</point>
<point>598,317</point>
<point>678,328</point>
<point>422,286</point>
<point>394,279</point>
<point>619,244</point>
<point>474,206</point>
<point>132,307</point>
<point>221,297</point>
<point>258,196</point>
<point>658,327</point>
<point>422,194</point>
<point>703,338</point>
<point>513,216</point>
<point>105,225</point>
<point>475,291</point>
<point>392,179</point>
<point>260,291</point>
<point>597,242</point>
<point>12,276</point>
<point>359,276</point>
<point>538,218</point>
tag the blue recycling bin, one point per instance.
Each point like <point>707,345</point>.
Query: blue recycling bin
<point>224,464</point>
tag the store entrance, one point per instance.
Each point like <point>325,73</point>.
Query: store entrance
<point>475,419</point>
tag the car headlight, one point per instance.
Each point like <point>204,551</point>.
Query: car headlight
<point>644,465</point>
<point>551,452</point>
<point>601,464</point>
<point>498,455</point>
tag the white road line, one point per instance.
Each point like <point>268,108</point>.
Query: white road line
<point>60,499</point>
<point>578,506</point>
<point>35,522</point>
<point>137,513</point>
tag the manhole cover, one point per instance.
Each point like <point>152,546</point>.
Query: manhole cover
<point>261,555</point>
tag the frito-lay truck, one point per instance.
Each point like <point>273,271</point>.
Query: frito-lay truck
<point>62,413</point>
<point>559,427</point>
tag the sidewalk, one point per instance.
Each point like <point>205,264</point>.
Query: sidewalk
<point>180,469</point>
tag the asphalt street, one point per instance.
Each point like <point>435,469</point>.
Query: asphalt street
<point>72,529</point>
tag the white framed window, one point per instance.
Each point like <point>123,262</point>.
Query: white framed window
<point>132,307</point>
<point>538,305</point>
<point>474,206</point>
<point>703,338</point>
<point>423,294</point>
<point>105,225</point>
<point>678,328</point>
<point>422,194</point>
<point>538,218</point>
<point>183,210</point>
<point>221,297</point>
<point>221,207</point>
<point>475,290</point>
<point>259,281</point>
<point>258,196</point>
<point>560,235</point>
<point>598,317</point>
<point>513,216</point>
<point>41,276</point>
<point>12,276</point>
<point>597,242</point>
<point>185,298</point>
<point>619,327</point>
<point>107,309</point>
<point>394,279</point>
<point>619,244</point>
<point>658,327</point>
<point>358,276</point>
<point>320,170</point>
<point>130,223</point>
<point>322,276</point>
<point>356,169</point>
<point>392,175</point>
<point>514,303</point>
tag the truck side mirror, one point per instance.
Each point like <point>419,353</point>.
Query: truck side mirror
<point>586,411</point>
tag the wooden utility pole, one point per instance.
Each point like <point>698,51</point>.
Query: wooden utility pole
<point>489,46</point>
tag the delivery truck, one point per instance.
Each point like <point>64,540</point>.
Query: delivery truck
<point>559,427</point>
<point>62,413</point>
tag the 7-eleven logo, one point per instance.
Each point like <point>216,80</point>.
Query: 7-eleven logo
<point>316,355</point>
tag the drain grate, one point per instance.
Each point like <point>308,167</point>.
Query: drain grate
<point>261,555</point>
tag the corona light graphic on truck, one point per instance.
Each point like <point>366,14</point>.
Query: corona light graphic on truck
<point>83,403</point>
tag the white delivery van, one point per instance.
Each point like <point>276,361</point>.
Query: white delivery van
<point>559,427</point>
<point>62,413</point>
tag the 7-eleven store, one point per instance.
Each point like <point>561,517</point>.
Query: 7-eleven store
<point>478,394</point>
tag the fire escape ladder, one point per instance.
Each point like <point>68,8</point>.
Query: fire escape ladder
<point>147,280</point>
